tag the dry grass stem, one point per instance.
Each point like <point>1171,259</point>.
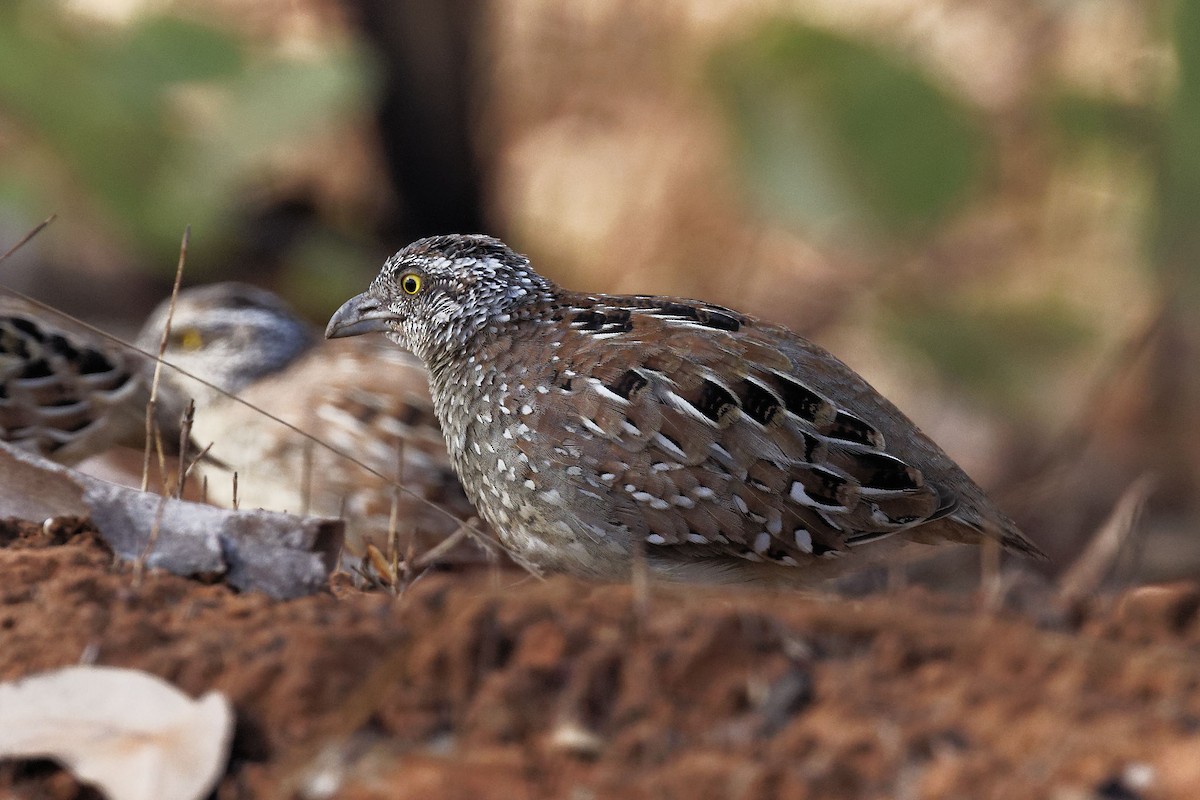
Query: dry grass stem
<point>1067,446</point>
<point>393,535</point>
<point>27,237</point>
<point>152,403</point>
<point>443,547</point>
<point>640,584</point>
<point>188,471</point>
<point>1096,562</point>
<point>991,583</point>
<point>306,478</point>
<point>139,565</point>
<point>162,456</point>
<point>185,437</point>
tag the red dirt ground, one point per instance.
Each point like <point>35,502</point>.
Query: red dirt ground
<point>493,684</point>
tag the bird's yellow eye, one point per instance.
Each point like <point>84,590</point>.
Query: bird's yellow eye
<point>190,339</point>
<point>410,283</point>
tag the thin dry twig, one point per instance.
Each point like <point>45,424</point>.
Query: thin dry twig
<point>306,478</point>
<point>27,237</point>
<point>433,554</point>
<point>161,454</point>
<point>191,464</point>
<point>185,436</point>
<point>139,564</point>
<point>393,535</point>
<point>443,547</point>
<point>1085,576</point>
<point>991,583</point>
<point>1074,437</point>
<point>152,403</point>
<point>640,583</point>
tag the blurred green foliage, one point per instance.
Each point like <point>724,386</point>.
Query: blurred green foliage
<point>1177,241</point>
<point>997,350</point>
<point>841,134</point>
<point>1161,133</point>
<point>102,113</point>
<point>1081,122</point>
<point>837,133</point>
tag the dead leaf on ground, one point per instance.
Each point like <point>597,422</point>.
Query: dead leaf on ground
<point>131,734</point>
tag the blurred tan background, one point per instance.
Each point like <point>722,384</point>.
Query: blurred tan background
<point>990,210</point>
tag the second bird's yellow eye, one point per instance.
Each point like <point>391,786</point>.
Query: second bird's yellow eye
<point>410,283</point>
<point>191,339</point>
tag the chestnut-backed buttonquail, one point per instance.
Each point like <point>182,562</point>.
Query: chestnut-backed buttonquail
<point>369,401</point>
<point>590,428</point>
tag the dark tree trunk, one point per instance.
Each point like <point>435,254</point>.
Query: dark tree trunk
<point>428,55</point>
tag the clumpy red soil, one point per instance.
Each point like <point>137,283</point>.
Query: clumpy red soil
<point>493,684</point>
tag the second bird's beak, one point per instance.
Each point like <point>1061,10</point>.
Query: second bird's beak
<point>359,315</point>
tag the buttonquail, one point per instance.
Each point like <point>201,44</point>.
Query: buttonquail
<point>587,428</point>
<point>66,393</point>
<point>369,401</point>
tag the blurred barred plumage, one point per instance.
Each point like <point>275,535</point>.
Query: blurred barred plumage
<point>66,393</point>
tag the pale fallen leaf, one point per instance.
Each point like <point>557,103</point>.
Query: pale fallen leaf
<point>131,734</point>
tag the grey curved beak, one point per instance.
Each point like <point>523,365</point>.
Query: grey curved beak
<point>358,315</point>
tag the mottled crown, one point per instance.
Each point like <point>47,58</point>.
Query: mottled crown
<point>467,283</point>
<point>462,247</point>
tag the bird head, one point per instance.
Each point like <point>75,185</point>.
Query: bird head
<point>436,294</point>
<point>229,334</point>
